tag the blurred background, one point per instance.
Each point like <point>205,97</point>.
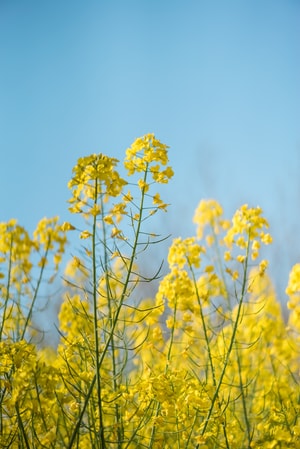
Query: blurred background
<point>218,81</point>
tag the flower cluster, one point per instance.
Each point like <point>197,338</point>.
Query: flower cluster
<point>149,157</point>
<point>185,252</point>
<point>209,214</point>
<point>96,185</point>
<point>94,178</point>
<point>293,292</point>
<point>15,248</point>
<point>248,226</point>
<point>148,153</point>
<point>48,235</point>
<point>22,263</point>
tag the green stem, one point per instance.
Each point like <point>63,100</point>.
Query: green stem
<point>231,344</point>
<point>21,427</point>
<point>204,328</point>
<point>212,367</point>
<point>7,288</point>
<point>29,315</point>
<point>110,319</point>
<point>242,389</point>
<point>219,263</point>
<point>280,398</point>
<point>153,430</point>
<point>115,318</point>
<point>3,391</point>
<point>96,334</point>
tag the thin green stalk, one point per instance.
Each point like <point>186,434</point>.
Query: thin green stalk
<point>139,426</point>
<point>153,430</point>
<point>231,344</point>
<point>36,290</point>
<point>115,318</point>
<point>171,339</point>
<point>212,367</point>
<point>225,431</point>
<point>40,405</point>
<point>281,400</point>
<point>192,427</point>
<point>7,289</point>
<point>95,317</point>
<point>244,402</point>
<point>110,319</point>
<point>220,267</point>
<point>21,427</point>
<point>26,322</point>
<point>204,328</point>
<point>3,391</point>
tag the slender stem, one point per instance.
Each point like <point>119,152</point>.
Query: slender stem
<point>95,316</point>
<point>21,427</point>
<point>204,328</point>
<point>280,398</point>
<point>212,367</point>
<point>232,341</point>
<point>29,315</point>
<point>7,288</point>
<point>116,316</point>
<point>219,262</point>
<point>153,430</point>
<point>171,339</point>
<point>243,399</point>
<point>110,320</point>
<point>3,391</point>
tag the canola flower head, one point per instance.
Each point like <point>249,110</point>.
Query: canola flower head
<point>159,203</point>
<point>66,226</point>
<point>17,246</point>
<point>148,153</point>
<point>185,252</point>
<point>248,227</point>
<point>209,214</point>
<point>293,287</point>
<point>293,292</point>
<point>94,176</point>
<point>50,235</point>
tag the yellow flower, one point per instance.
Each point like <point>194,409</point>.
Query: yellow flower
<point>143,185</point>
<point>293,291</point>
<point>108,219</point>
<point>157,201</point>
<point>184,252</point>
<point>117,233</point>
<point>294,281</point>
<point>94,176</point>
<point>148,153</point>
<point>66,226</point>
<point>266,238</point>
<point>247,228</point>
<point>227,256</point>
<point>85,234</point>
<point>263,266</point>
<point>208,214</point>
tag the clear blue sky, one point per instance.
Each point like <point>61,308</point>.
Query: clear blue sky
<point>218,81</point>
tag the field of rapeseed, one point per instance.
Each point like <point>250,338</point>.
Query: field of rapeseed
<point>208,363</point>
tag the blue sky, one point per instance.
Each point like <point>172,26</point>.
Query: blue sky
<point>218,81</point>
